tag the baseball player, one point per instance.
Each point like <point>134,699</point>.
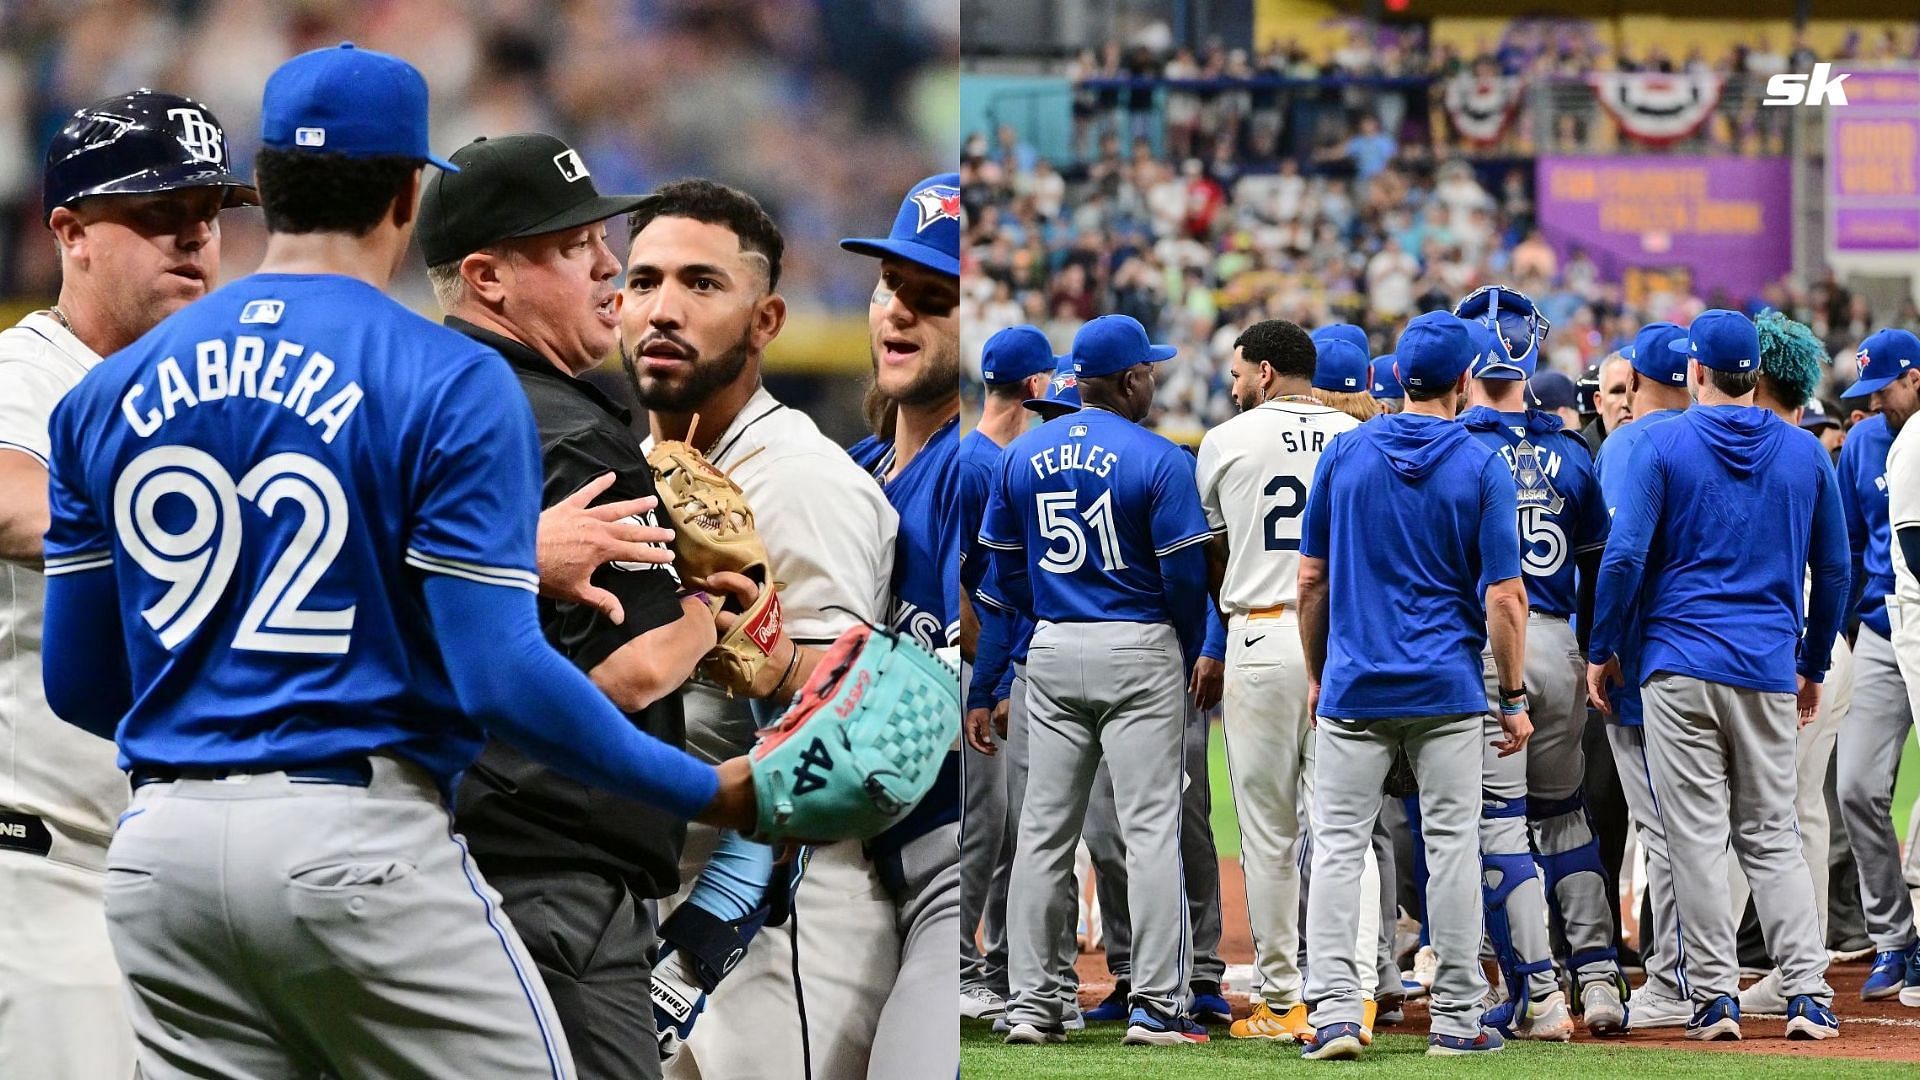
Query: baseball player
<point>1534,808</point>
<point>701,305</point>
<point>1392,656</point>
<point>1658,381</point>
<point>915,341</point>
<point>1719,716</point>
<point>1342,374</point>
<point>1792,362</point>
<point>1108,518</point>
<point>1384,384</point>
<point>136,218</point>
<point>1016,364</point>
<point>304,517</point>
<point>1253,473</point>
<point>1903,605</point>
<point>1868,753</point>
<point>515,248</point>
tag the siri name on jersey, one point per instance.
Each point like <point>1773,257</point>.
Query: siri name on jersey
<point>1072,457</point>
<point>291,377</point>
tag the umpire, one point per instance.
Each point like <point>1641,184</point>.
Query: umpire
<point>516,250</point>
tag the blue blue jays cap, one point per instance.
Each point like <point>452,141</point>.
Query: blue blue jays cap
<point>1552,390</point>
<point>1014,354</point>
<point>1339,365</point>
<point>1343,332</point>
<point>1434,350</point>
<point>1883,357</point>
<point>1063,392</point>
<point>926,231</point>
<point>1386,385</point>
<point>349,101</point>
<point>1650,356</point>
<point>1722,340</point>
<point>1490,357</point>
<point>1111,344</point>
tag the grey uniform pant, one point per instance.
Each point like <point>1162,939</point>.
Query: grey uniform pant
<point>983,831</point>
<point>1094,690</point>
<point>1351,761</point>
<point>917,1035</point>
<point>269,927</point>
<point>1867,758</point>
<point>1661,950</point>
<point>594,943</point>
<point>1199,862</point>
<point>1723,774</point>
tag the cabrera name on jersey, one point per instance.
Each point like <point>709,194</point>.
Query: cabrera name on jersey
<point>1095,501</point>
<point>264,472</point>
<point>1253,472</point>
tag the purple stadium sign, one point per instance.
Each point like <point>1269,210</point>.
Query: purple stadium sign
<point>1726,220</point>
<point>1873,166</point>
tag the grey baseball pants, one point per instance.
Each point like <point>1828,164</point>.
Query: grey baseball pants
<point>1867,758</point>
<point>983,832</point>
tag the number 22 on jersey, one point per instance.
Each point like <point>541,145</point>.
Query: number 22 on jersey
<point>197,559</point>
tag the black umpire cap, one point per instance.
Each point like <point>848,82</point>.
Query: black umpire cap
<point>139,143</point>
<point>512,186</point>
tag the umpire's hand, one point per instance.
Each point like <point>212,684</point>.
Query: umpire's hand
<point>576,539</point>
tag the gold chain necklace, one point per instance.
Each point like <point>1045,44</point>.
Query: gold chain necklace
<point>61,318</point>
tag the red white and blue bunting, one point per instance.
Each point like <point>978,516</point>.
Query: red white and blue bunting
<point>1481,108</point>
<point>1657,107</point>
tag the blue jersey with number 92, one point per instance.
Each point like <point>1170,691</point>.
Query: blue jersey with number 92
<point>1561,510</point>
<point>1094,501</point>
<point>267,474</point>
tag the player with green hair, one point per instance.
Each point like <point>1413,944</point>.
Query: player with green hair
<point>1792,363</point>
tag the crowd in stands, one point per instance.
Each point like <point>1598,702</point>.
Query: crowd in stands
<point>1198,249</point>
<point>812,107</point>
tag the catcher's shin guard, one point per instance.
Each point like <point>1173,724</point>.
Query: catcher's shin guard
<point>1568,855</point>
<point>1502,874</point>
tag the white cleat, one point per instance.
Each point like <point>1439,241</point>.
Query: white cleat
<point>1763,998</point>
<point>1605,1014</point>
<point>1426,967</point>
<point>981,1003</point>
<point>1548,1020</point>
<point>1025,1034</point>
<point>1651,1009</point>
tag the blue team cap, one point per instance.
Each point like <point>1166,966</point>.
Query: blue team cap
<point>1386,385</point>
<point>1016,353</point>
<point>1812,419</point>
<point>1111,344</point>
<point>1434,350</point>
<point>1651,356</point>
<point>1883,357</point>
<point>1343,332</point>
<point>1722,340</point>
<point>1063,392</point>
<point>1339,365</point>
<point>926,231</point>
<point>350,101</point>
<point>1490,357</point>
<point>1552,390</point>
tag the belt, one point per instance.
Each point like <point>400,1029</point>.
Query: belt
<point>1273,612</point>
<point>24,832</point>
<point>353,772</point>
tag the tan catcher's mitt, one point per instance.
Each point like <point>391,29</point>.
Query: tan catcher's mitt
<point>713,527</point>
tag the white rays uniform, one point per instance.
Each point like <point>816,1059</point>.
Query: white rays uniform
<point>1254,471</point>
<point>61,1009</point>
<point>829,532</point>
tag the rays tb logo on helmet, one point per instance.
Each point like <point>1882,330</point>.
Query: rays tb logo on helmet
<point>201,136</point>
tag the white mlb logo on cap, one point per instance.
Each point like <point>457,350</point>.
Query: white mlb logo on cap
<point>310,136</point>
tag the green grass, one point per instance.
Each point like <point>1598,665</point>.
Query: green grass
<point>1226,826</point>
<point>1098,1055</point>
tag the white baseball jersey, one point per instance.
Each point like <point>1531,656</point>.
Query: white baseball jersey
<point>1253,472</point>
<point>48,767</point>
<point>828,527</point>
<point>1903,506</point>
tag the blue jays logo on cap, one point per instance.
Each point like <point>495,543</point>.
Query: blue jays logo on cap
<point>937,202</point>
<point>1886,355</point>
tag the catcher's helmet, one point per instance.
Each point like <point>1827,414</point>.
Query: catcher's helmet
<point>1521,327</point>
<point>138,144</point>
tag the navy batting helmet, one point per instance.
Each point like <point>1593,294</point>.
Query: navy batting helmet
<point>138,144</point>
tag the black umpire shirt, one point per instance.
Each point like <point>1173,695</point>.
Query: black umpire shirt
<point>519,815</point>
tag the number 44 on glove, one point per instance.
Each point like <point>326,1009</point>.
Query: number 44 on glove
<point>861,744</point>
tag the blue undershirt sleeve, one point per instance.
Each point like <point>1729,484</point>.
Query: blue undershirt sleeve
<point>1828,553</point>
<point>83,657</point>
<point>1641,497</point>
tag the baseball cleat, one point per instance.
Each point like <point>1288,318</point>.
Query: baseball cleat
<point>1808,1019</point>
<point>1114,1008</point>
<point>1210,1008</point>
<point>1264,1023</point>
<point>1548,1020</point>
<point>1764,998</point>
<point>1652,1009</point>
<point>1888,976</point>
<point>1486,1042</point>
<point>1411,988</point>
<point>1910,992</point>
<point>1605,1013</point>
<point>1718,1020</point>
<point>1426,967</point>
<point>1334,1042</point>
<point>1368,1009</point>
<point>1149,1027</point>
<point>1393,1010</point>
<point>981,1003</point>
<point>1026,1033</point>
<point>1848,954</point>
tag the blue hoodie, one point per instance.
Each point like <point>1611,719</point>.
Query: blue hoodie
<point>1736,503</point>
<point>1612,467</point>
<point>1405,633</point>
